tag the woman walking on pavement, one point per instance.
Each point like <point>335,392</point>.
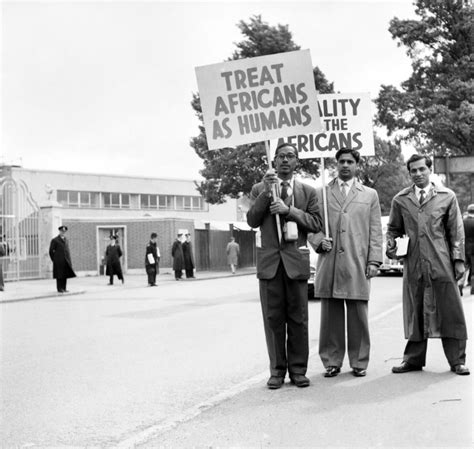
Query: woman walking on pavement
<point>113,253</point>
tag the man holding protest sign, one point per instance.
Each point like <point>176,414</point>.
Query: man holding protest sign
<point>349,255</point>
<point>283,266</point>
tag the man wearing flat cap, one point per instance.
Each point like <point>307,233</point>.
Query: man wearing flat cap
<point>468,223</point>
<point>61,257</point>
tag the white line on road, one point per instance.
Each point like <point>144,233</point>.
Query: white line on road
<point>173,421</point>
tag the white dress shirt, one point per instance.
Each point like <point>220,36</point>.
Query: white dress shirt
<point>348,183</point>
<point>425,189</point>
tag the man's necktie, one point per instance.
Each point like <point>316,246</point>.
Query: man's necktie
<point>422,196</point>
<point>344,187</point>
<point>284,190</point>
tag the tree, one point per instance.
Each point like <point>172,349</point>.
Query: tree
<point>385,172</point>
<point>435,105</point>
<point>233,171</point>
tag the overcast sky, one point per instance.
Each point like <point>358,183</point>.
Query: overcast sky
<point>105,86</point>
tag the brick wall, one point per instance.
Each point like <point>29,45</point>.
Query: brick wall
<point>82,236</point>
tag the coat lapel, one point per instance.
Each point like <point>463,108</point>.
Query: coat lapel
<point>336,192</point>
<point>353,192</point>
<point>297,195</point>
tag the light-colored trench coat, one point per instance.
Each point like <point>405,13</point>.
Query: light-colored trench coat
<point>431,302</point>
<point>356,229</point>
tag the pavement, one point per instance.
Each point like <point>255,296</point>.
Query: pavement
<point>46,288</point>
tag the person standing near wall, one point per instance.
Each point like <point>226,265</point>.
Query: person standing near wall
<point>113,253</point>
<point>178,257</point>
<point>188,257</point>
<point>233,253</point>
<point>152,260</point>
<point>61,258</point>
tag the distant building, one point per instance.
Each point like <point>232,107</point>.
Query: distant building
<point>94,206</point>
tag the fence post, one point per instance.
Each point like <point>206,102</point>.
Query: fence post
<point>208,249</point>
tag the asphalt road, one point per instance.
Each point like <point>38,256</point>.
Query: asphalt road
<point>185,364</point>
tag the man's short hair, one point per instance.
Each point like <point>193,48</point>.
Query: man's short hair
<point>153,235</point>
<point>418,157</point>
<point>355,154</point>
<point>470,209</point>
<point>286,144</point>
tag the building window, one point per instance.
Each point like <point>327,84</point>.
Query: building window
<point>106,200</point>
<point>95,199</point>
<point>73,199</point>
<point>115,200</point>
<point>125,201</point>
<point>111,200</point>
<point>187,202</point>
<point>148,201</point>
<point>180,203</point>
<point>85,199</point>
<point>197,203</point>
<point>144,201</point>
<point>166,202</point>
<point>61,197</point>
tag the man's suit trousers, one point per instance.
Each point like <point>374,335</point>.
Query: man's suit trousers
<point>332,338</point>
<point>454,350</point>
<point>285,318</point>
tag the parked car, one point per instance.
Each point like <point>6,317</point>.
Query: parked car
<point>389,265</point>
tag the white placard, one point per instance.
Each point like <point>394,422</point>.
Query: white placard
<point>347,119</point>
<point>255,99</point>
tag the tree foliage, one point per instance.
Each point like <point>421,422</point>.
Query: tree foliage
<point>233,171</point>
<point>435,106</point>
<point>385,172</point>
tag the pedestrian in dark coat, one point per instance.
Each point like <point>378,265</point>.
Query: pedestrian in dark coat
<point>113,253</point>
<point>61,258</point>
<point>283,265</point>
<point>188,257</point>
<point>178,257</point>
<point>429,215</point>
<point>152,260</point>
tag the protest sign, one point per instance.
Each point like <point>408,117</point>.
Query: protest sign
<point>254,99</point>
<point>347,120</point>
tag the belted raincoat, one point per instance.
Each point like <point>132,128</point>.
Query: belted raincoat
<point>356,229</point>
<point>431,303</point>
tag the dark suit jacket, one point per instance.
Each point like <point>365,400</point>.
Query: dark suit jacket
<point>305,212</point>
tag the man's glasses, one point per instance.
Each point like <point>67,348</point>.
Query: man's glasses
<point>289,156</point>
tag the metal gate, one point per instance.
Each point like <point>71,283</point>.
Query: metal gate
<point>19,231</point>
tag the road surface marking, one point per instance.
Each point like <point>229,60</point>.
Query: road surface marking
<point>169,423</point>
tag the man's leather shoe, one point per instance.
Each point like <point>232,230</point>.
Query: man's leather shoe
<point>462,370</point>
<point>300,380</point>
<point>275,382</point>
<point>359,372</point>
<point>405,367</point>
<point>332,371</point>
